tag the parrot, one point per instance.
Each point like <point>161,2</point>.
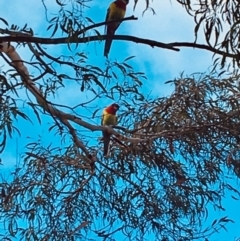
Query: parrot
<point>108,118</point>
<point>116,11</point>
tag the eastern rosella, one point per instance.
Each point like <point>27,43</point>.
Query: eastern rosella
<point>116,11</point>
<point>108,118</point>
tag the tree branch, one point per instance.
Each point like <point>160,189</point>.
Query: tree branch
<point>49,41</point>
<point>101,24</point>
<point>203,46</point>
<point>172,46</point>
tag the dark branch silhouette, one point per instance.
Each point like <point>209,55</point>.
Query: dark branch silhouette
<point>48,41</point>
<point>203,46</point>
<point>152,43</point>
<point>101,24</point>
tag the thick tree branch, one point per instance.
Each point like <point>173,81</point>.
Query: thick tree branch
<point>49,41</point>
<point>152,43</point>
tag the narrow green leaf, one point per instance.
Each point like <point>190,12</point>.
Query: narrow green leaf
<point>3,20</point>
<point>55,30</point>
<point>128,58</point>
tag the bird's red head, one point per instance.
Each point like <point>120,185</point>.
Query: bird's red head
<point>122,3</point>
<point>112,109</point>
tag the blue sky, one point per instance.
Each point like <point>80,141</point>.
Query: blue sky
<point>170,24</point>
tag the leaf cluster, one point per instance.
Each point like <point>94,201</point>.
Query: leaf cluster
<point>163,184</point>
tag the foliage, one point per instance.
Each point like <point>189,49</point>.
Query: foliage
<point>172,158</point>
<point>219,21</point>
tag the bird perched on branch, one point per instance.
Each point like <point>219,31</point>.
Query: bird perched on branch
<point>116,11</point>
<point>108,118</point>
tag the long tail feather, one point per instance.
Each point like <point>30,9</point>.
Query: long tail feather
<point>107,46</point>
<point>106,141</point>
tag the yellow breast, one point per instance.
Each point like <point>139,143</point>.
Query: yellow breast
<point>108,119</point>
<point>116,13</point>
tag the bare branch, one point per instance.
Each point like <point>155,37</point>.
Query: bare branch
<point>101,24</point>
<point>49,41</point>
